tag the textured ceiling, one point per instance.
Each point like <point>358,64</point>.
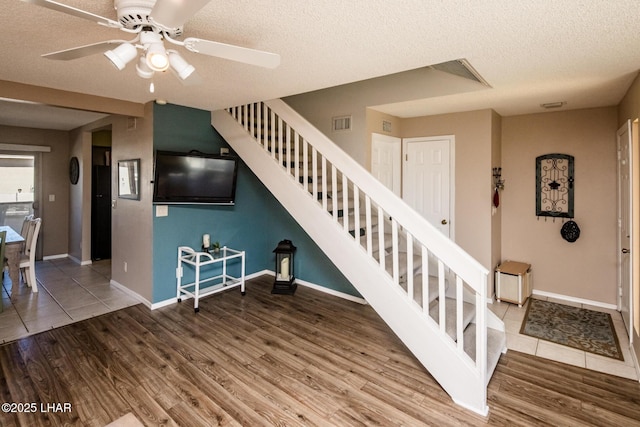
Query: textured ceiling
<point>585,53</point>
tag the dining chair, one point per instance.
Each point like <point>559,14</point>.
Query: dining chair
<point>3,241</point>
<point>28,259</point>
<point>25,225</point>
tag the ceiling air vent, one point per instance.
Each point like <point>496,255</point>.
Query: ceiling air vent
<point>340,123</point>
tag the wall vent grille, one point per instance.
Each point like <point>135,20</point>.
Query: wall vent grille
<point>340,123</point>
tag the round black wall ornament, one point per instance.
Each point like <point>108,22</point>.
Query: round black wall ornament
<point>570,231</point>
<point>74,170</point>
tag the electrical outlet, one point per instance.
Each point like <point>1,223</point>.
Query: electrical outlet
<point>125,266</point>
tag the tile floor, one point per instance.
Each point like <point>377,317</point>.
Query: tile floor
<point>513,316</point>
<point>67,293</point>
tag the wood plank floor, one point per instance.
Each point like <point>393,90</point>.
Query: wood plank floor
<point>308,359</point>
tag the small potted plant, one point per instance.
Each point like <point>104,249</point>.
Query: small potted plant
<point>215,248</point>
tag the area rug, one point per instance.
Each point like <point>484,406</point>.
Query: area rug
<point>586,330</point>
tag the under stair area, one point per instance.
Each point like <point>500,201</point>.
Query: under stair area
<point>430,292</point>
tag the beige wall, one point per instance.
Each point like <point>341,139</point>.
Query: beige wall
<point>587,268</point>
<point>132,225</point>
<point>353,99</point>
<point>80,197</point>
<point>629,107</point>
<point>473,162</point>
<point>496,213</point>
<point>54,181</point>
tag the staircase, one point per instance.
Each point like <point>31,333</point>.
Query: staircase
<point>430,292</point>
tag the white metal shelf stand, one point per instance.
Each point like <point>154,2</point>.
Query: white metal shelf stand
<point>198,260</point>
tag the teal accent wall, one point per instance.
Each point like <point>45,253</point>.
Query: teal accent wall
<point>255,224</point>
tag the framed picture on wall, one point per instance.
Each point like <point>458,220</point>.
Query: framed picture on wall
<point>129,179</point>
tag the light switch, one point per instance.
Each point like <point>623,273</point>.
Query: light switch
<point>52,197</point>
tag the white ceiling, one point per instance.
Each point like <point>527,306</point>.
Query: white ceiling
<point>585,53</point>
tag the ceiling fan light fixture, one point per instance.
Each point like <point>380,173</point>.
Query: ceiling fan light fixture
<point>122,55</point>
<point>157,58</point>
<point>143,69</point>
<point>178,64</point>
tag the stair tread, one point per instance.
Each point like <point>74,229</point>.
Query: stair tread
<point>496,344</point>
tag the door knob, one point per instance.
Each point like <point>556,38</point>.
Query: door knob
<point>443,222</point>
<point>626,251</point>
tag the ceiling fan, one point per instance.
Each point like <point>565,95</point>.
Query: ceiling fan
<point>153,22</point>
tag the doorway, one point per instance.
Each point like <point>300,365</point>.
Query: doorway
<point>427,179</point>
<point>20,189</point>
<point>625,225</point>
<point>385,161</point>
<point>101,195</point>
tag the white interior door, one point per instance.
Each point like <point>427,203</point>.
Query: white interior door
<point>427,179</point>
<point>624,224</point>
<point>385,161</point>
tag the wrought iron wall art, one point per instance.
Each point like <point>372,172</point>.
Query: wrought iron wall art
<point>498,184</point>
<point>555,185</point>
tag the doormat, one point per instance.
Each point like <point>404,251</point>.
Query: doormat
<point>586,330</point>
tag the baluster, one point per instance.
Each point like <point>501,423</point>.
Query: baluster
<point>356,213</point>
<point>367,207</point>
<point>442,315</point>
<point>296,156</point>
<point>410,266</point>
<point>324,183</point>
<point>314,172</point>
<point>265,126</point>
<point>259,124</point>
<point>425,280</point>
<point>481,331</point>
<point>246,117</point>
<point>305,164</point>
<point>381,245</point>
<point>280,140</point>
<point>395,251</point>
<point>459,314</point>
<point>251,119</point>
<point>334,192</point>
<point>274,134</point>
<point>287,157</point>
<point>345,203</point>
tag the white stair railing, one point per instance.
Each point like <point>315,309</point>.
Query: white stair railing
<point>401,252</point>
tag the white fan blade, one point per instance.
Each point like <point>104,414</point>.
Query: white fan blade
<point>82,51</point>
<point>171,14</point>
<point>232,52</point>
<point>49,4</point>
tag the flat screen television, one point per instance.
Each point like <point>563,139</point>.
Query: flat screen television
<point>194,178</point>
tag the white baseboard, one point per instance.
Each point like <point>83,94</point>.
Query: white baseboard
<point>59,256</point>
<point>252,276</point>
<point>575,300</point>
<point>634,357</point>
<point>78,261</point>
<point>323,289</point>
<point>132,294</point>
